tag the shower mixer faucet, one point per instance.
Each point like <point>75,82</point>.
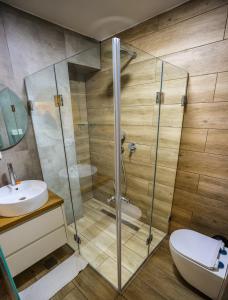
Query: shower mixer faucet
<point>132,148</point>
<point>112,199</point>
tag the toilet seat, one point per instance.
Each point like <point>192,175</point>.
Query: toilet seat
<point>197,247</point>
<point>196,257</point>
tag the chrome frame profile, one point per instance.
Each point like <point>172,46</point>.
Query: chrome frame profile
<point>116,93</point>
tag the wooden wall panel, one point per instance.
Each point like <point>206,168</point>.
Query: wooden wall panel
<point>173,90</point>
<point>144,28</point>
<point>188,10</point>
<point>133,95</point>
<point>162,192</point>
<point>137,115</point>
<point>167,157</point>
<point>217,141</point>
<point>169,137</point>
<point>201,88</point>
<point>193,139</point>
<point>200,204</point>
<point>208,59</point>
<point>166,176</point>
<point>207,115</point>
<point>213,188</point>
<point>221,92</point>
<point>187,181</point>
<point>204,163</point>
<point>203,29</point>
<point>180,218</point>
<point>171,116</point>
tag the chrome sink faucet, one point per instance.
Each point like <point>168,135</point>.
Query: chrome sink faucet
<point>11,174</point>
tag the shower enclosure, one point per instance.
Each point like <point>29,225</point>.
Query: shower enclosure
<point>108,123</point>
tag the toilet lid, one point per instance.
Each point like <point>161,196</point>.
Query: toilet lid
<point>196,246</point>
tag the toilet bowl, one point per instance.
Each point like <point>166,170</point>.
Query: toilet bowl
<point>200,260</point>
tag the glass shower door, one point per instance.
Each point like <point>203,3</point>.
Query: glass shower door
<point>90,157</point>
<point>46,117</point>
<point>140,76</point>
<point>151,107</point>
<point>174,83</point>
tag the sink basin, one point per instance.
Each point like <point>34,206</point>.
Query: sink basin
<point>22,198</point>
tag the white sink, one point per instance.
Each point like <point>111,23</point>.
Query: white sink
<point>22,198</point>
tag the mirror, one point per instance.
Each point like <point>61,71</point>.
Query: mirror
<point>13,118</point>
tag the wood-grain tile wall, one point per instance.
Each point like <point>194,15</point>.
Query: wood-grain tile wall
<point>194,36</point>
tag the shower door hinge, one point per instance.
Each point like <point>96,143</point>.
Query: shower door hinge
<point>159,97</point>
<point>58,100</point>
<point>149,239</point>
<point>183,100</point>
<point>77,239</point>
<point>13,108</point>
<point>30,106</point>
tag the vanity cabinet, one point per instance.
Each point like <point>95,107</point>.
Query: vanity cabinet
<point>27,242</point>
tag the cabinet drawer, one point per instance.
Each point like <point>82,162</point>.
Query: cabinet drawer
<point>22,235</point>
<point>29,255</point>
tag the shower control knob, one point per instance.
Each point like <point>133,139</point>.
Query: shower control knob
<point>132,147</point>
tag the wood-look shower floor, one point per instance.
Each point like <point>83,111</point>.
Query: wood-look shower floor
<point>97,230</point>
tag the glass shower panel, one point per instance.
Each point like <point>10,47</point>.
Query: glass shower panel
<point>87,125</point>
<point>100,237</point>
<point>140,87</point>
<point>70,82</point>
<point>172,100</point>
<point>67,127</point>
<point>73,116</point>
<point>41,90</point>
<point>70,77</point>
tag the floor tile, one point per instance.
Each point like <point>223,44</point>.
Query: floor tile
<point>109,270</point>
<point>156,241</point>
<point>93,214</point>
<point>91,253</point>
<point>74,294</point>
<point>98,237</point>
<point>83,223</point>
<point>63,292</point>
<point>93,203</point>
<point>130,260</point>
<point>109,226</point>
<point>94,286</point>
<point>138,246</point>
<point>143,233</point>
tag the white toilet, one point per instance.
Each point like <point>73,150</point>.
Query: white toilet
<point>199,260</point>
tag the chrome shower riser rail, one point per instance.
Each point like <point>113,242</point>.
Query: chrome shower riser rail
<point>116,90</point>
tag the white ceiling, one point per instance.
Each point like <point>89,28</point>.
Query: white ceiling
<point>98,19</point>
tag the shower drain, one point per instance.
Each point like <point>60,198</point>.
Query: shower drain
<point>132,226</point>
